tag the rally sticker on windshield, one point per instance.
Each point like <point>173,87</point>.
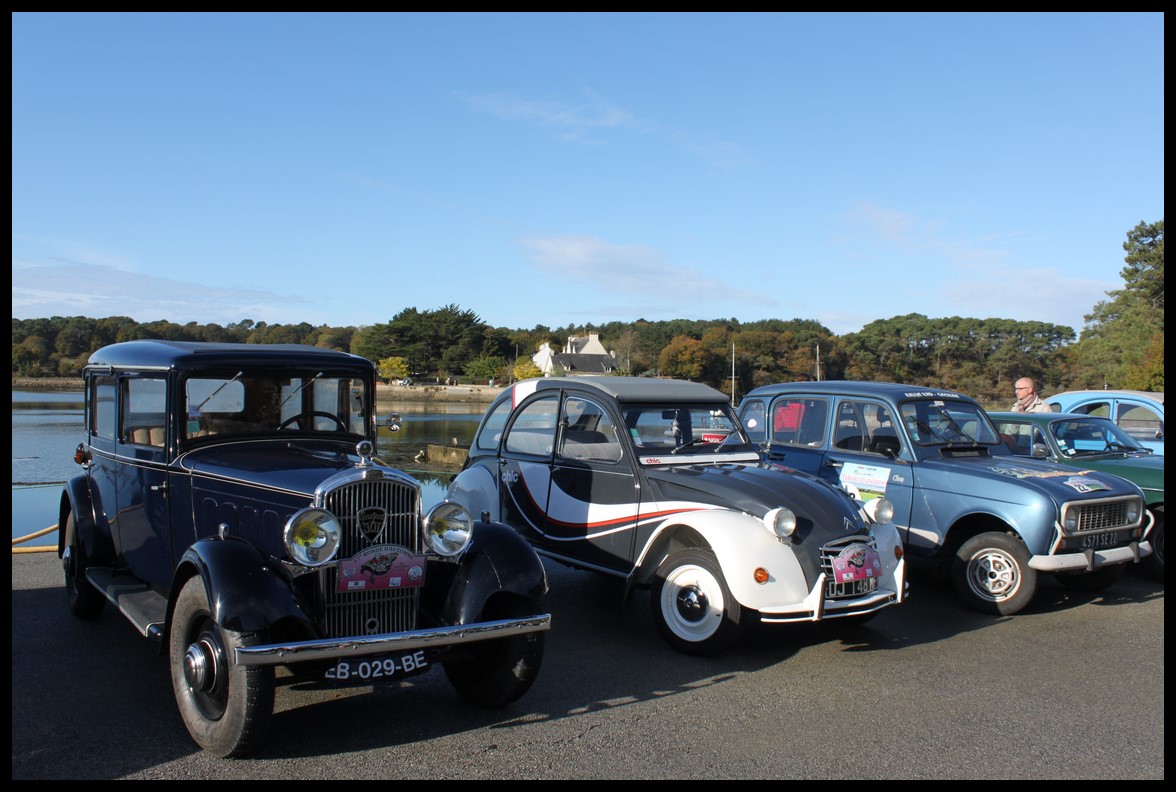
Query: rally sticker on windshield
<point>381,567</point>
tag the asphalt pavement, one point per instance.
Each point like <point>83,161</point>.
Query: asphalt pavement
<point>1071,688</point>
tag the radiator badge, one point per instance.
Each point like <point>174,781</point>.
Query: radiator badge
<point>371,522</point>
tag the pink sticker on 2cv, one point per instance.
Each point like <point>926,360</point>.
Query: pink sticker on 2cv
<point>856,562</point>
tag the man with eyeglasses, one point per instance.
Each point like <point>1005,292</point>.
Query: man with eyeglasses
<point>1027,398</point>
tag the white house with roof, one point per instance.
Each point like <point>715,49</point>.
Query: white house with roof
<point>581,355</point>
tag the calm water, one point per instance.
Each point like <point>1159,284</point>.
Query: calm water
<point>47,427</point>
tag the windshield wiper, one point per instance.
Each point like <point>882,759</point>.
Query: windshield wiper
<point>955,427</point>
<point>688,444</point>
<point>223,385</point>
<point>299,389</point>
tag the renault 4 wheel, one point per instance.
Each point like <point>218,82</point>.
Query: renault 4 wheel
<point>226,707</point>
<point>991,574</point>
<point>692,606</point>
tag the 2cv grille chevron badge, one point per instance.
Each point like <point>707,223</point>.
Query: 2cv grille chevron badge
<point>371,522</point>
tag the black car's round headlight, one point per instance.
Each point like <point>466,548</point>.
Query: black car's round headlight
<point>448,527</point>
<point>312,537</point>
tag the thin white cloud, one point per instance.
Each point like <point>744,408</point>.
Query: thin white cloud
<point>567,121</point>
<point>582,122</point>
<point>975,279</point>
<point>97,290</point>
<point>638,273</point>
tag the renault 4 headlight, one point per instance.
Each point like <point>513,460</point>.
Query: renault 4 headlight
<point>448,528</point>
<point>312,537</point>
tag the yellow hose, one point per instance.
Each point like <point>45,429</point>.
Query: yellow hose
<point>34,535</point>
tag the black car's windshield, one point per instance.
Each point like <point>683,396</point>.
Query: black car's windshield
<point>932,422</point>
<point>263,403</point>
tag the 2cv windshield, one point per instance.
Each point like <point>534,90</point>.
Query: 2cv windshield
<point>660,428</point>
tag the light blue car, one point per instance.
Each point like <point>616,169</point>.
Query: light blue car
<point>1139,413</point>
<point>991,520</point>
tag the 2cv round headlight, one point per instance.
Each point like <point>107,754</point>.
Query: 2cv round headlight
<point>312,537</point>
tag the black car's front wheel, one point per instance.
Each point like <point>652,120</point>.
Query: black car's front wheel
<point>226,707</point>
<point>85,601</point>
<point>692,605</point>
<point>499,671</point>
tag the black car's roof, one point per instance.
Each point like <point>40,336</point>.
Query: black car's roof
<point>638,389</point>
<point>159,354</point>
<point>894,391</point>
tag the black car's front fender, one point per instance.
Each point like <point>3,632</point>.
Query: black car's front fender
<point>94,536</point>
<point>246,594</point>
<point>498,561</point>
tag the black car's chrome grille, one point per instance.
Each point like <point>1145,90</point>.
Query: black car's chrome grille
<point>359,506</point>
<point>849,590</point>
<point>1100,515</point>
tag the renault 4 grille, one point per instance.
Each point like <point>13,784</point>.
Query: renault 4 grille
<point>849,590</point>
<point>1102,515</point>
<point>372,512</point>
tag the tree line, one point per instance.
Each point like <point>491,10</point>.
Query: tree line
<point>1121,344</point>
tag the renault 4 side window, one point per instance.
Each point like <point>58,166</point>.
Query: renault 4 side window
<point>753,415</point>
<point>799,421</point>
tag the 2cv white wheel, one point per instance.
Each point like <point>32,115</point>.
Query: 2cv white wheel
<point>226,707</point>
<point>693,606</point>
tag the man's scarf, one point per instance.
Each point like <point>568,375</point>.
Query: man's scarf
<point>1023,404</point>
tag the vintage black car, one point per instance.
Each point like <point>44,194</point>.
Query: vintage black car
<point>232,508</point>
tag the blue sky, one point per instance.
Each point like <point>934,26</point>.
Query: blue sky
<point>554,169</point>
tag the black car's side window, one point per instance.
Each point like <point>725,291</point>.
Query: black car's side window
<point>144,411</point>
<point>103,408</point>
